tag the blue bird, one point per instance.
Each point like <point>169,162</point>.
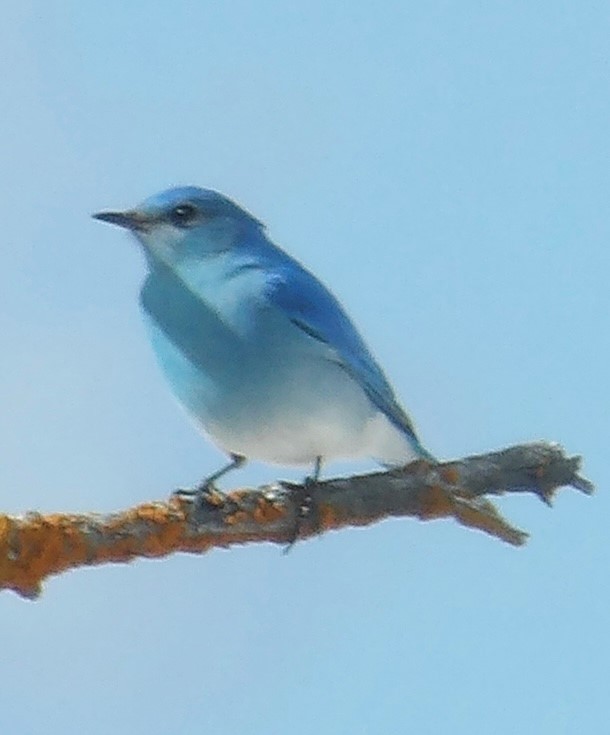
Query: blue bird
<point>257,350</point>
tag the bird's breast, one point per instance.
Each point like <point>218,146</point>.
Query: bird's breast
<point>214,335</point>
<point>254,381</point>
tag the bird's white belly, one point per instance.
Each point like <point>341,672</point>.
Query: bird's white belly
<point>312,410</point>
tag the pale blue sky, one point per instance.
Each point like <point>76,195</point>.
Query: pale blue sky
<point>444,167</point>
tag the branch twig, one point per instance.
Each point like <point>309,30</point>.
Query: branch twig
<point>35,546</point>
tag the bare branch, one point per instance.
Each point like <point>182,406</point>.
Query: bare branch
<point>35,546</point>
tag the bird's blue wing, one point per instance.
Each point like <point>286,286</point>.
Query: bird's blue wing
<point>311,307</point>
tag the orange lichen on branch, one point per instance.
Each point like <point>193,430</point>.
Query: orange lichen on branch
<point>267,511</point>
<point>35,546</point>
<point>328,517</point>
<point>436,502</point>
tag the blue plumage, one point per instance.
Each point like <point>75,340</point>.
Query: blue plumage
<point>258,351</point>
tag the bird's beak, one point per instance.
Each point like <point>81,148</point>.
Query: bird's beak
<point>130,220</point>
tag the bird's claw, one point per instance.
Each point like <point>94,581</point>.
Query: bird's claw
<point>205,494</point>
<point>306,510</point>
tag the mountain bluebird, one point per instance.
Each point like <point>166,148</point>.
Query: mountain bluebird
<point>257,350</point>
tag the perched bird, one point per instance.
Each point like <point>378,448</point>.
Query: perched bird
<point>258,351</point>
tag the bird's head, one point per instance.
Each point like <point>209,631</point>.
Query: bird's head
<point>184,223</point>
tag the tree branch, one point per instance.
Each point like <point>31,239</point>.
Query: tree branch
<point>35,546</point>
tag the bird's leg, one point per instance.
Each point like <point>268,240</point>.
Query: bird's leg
<point>206,491</point>
<point>304,501</point>
<point>317,468</point>
<point>237,460</point>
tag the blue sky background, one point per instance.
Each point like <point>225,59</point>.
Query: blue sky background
<point>444,166</point>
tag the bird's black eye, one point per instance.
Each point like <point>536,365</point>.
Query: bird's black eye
<point>183,215</point>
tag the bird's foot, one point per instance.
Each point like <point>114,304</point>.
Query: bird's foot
<point>205,494</point>
<point>306,510</point>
